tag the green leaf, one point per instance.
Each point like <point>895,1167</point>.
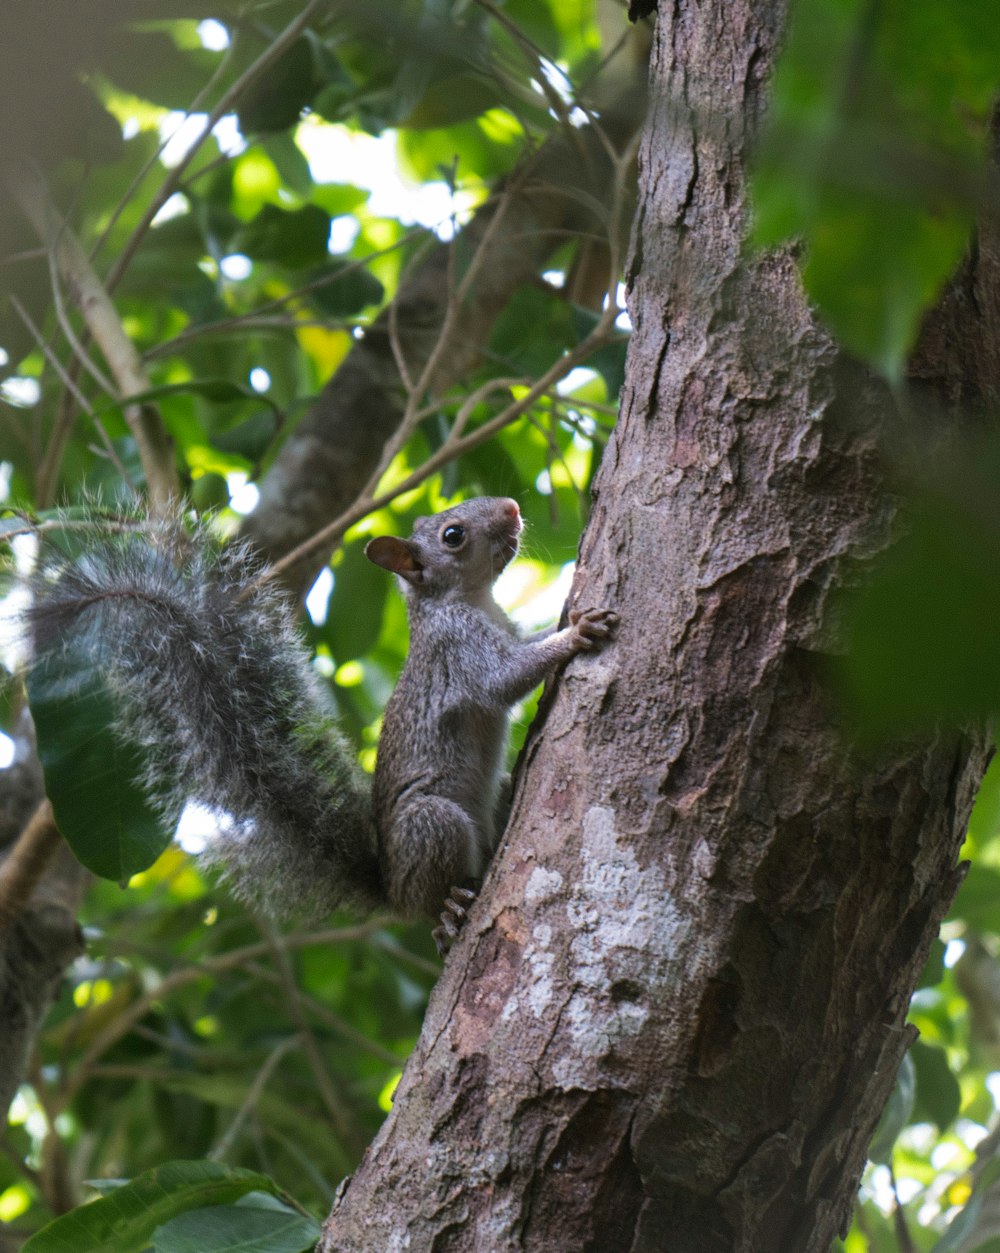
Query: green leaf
<point>609,361</point>
<point>276,99</point>
<point>453,98</point>
<point>218,391</point>
<point>897,1113</point>
<point>356,606</point>
<point>252,438</point>
<point>339,198</point>
<point>90,774</point>
<point>974,1229</point>
<point>209,491</point>
<point>290,162</point>
<point>933,971</point>
<point>125,1220</point>
<point>984,821</point>
<point>874,267</point>
<point>345,289</point>
<point>959,1237</point>
<point>539,21</point>
<point>532,330</point>
<point>228,1228</point>
<point>921,636</point>
<point>281,1112</point>
<point>294,238</point>
<point>874,155</point>
<point>977,902</point>
<point>11,697</point>
<point>938,1098</point>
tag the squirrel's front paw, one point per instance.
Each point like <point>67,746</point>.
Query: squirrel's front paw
<point>592,627</point>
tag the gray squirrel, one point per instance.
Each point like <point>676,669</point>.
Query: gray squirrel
<point>211,679</point>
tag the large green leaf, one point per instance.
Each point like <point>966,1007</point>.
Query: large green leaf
<point>293,238</point>
<point>938,1096</point>
<point>984,821</point>
<point>125,1219</point>
<point>977,902</point>
<point>532,330</point>
<point>276,99</point>
<point>922,638</point>
<point>356,605</point>
<point>874,154</point>
<point>228,1228</point>
<point>225,1091</point>
<point>897,1113</point>
<point>340,290</point>
<point>90,773</point>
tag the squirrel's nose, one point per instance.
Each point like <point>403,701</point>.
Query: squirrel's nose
<point>510,508</point>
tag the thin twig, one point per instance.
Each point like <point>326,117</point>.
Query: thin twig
<point>340,1115</point>
<point>79,350</point>
<point>477,397</point>
<point>332,1021</point>
<point>45,477</point>
<point>899,1222</point>
<point>535,57</point>
<point>105,326</point>
<point>124,1021</point>
<point>252,1097</point>
<point>602,334</point>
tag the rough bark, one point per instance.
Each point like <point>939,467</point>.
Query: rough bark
<point>676,1013</point>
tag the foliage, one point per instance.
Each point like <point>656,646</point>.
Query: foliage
<point>875,158</point>
<point>152,1212</point>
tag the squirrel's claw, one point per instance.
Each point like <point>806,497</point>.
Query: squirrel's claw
<point>592,626</point>
<point>453,917</point>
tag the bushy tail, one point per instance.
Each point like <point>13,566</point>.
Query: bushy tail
<point>213,684</point>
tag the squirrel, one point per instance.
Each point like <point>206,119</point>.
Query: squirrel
<point>212,681</point>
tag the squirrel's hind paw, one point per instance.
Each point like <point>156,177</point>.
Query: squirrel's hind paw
<point>453,917</point>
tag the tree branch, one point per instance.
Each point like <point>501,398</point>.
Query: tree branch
<point>26,863</point>
<point>563,190</point>
<point>105,326</point>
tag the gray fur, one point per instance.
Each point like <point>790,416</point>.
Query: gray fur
<point>439,771</point>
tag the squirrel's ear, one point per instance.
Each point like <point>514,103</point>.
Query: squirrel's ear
<point>396,555</point>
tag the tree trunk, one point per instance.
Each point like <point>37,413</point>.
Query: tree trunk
<point>674,1018</point>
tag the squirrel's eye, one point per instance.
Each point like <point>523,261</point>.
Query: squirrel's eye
<point>453,536</point>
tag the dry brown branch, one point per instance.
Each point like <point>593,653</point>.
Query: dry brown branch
<point>45,478</point>
<point>104,325</point>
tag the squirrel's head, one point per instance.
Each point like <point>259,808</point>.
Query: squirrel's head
<point>463,549</point>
